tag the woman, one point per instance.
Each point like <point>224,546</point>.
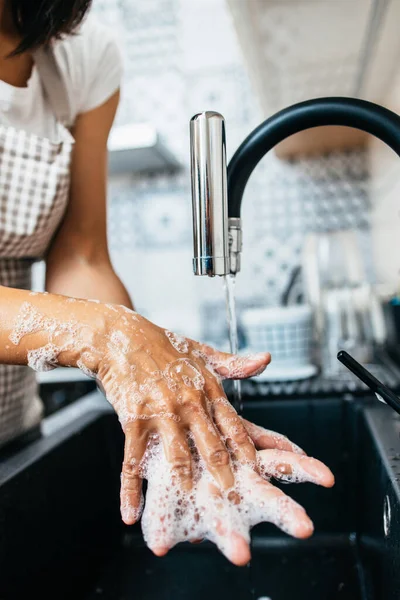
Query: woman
<point>59,91</point>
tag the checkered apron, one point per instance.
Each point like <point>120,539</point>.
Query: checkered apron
<point>34,185</point>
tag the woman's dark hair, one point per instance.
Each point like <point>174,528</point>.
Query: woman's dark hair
<point>40,21</point>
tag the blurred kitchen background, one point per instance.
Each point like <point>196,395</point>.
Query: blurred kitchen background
<point>248,59</point>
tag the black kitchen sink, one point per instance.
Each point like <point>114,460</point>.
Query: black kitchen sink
<point>61,536</point>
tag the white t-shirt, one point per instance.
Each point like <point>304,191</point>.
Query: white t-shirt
<point>92,65</point>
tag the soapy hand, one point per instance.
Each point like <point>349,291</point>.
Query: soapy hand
<point>205,477</point>
<point>161,383</point>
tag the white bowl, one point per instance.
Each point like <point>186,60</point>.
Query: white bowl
<point>285,332</point>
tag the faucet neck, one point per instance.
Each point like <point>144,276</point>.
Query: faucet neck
<point>359,114</point>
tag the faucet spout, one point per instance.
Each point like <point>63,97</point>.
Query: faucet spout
<point>359,114</point>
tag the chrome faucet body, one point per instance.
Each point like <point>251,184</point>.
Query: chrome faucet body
<point>216,239</point>
<point>208,166</point>
<point>209,196</point>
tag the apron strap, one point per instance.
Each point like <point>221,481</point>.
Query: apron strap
<point>54,84</point>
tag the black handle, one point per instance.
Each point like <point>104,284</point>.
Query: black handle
<point>359,114</point>
<point>372,382</point>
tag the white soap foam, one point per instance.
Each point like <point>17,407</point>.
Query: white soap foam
<point>172,515</point>
<point>44,358</point>
<point>119,341</point>
<point>61,335</point>
<point>192,377</point>
<point>185,371</point>
<point>30,320</point>
<point>179,342</point>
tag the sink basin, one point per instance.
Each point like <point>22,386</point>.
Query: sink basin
<point>61,535</point>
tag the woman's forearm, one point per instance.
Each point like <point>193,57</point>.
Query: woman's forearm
<point>45,330</point>
<point>79,278</point>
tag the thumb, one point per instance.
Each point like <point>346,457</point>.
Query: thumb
<point>232,366</point>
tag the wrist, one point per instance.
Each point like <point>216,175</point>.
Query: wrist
<point>47,330</point>
<point>95,335</point>
<point>83,340</point>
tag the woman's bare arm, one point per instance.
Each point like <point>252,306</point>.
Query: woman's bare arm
<point>30,321</point>
<point>78,263</point>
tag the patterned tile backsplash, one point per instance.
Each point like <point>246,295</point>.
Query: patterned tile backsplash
<point>182,57</point>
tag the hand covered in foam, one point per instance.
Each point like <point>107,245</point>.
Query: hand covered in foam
<point>173,515</point>
<point>161,383</point>
<point>205,477</point>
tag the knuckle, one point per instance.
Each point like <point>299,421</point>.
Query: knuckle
<point>130,469</point>
<point>194,403</point>
<point>130,485</point>
<point>189,396</point>
<point>218,458</point>
<point>241,437</point>
<point>181,468</point>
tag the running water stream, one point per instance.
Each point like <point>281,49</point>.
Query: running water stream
<point>229,285</point>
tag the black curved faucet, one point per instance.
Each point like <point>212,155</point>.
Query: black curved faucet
<point>359,114</point>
